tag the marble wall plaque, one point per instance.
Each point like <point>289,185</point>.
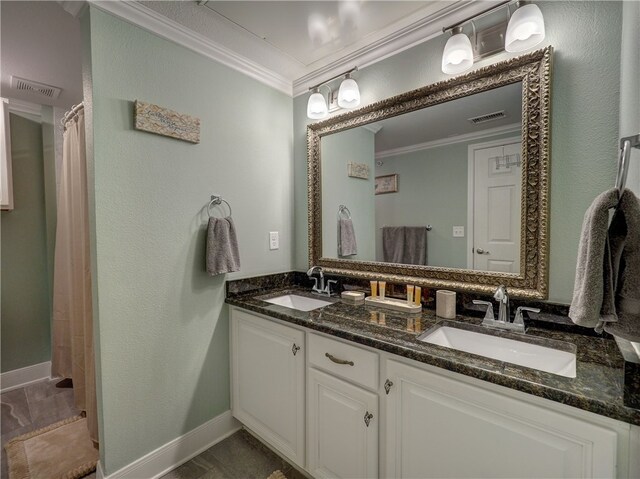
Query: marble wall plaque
<point>162,121</point>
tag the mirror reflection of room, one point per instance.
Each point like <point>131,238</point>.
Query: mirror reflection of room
<point>443,187</point>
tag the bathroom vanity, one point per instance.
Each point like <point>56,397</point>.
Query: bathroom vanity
<point>314,383</point>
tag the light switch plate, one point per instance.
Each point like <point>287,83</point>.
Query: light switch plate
<point>274,240</point>
<point>458,231</point>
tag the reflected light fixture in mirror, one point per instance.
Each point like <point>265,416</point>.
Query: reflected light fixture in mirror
<point>525,30</point>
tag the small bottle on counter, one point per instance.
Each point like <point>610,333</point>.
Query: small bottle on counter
<point>409,293</point>
<point>374,288</point>
<point>418,295</point>
<point>382,286</point>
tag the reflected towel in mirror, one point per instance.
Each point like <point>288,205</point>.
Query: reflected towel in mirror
<point>347,245</point>
<point>404,244</point>
<point>222,255</point>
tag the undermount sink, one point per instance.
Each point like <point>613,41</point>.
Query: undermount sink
<point>301,303</point>
<point>555,361</point>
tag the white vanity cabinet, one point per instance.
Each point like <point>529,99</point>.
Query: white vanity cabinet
<point>342,416</point>
<point>267,377</point>
<point>437,426</point>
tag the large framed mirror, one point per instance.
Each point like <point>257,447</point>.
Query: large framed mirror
<point>446,186</point>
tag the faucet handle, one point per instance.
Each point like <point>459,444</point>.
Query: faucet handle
<point>489,312</point>
<point>519,318</point>
<point>329,283</point>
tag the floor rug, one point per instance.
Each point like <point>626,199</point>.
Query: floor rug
<point>60,451</point>
<point>277,475</point>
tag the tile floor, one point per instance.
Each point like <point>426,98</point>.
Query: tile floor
<point>33,407</point>
<point>240,456</point>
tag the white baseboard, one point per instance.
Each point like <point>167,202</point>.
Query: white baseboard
<point>24,376</point>
<point>178,451</point>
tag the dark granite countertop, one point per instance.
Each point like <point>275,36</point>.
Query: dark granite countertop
<point>597,387</point>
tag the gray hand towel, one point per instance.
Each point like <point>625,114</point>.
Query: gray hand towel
<point>415,245</point>
<point>392,244</point>
<point>222,254</point>
<point>593,264</point>
<point>347,245</point>
<point>624,238</point>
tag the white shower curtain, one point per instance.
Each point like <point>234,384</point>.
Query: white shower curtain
<point>73,354</point>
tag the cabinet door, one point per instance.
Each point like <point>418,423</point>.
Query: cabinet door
<point>441,427</point>
<point>268,381</point>
<point>342,428</point>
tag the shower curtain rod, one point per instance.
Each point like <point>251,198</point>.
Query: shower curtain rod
<point>74,110</point>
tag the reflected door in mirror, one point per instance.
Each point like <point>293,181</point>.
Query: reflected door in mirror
<point>497,186</point>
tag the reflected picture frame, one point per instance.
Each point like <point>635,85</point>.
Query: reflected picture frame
<point>386,184</point>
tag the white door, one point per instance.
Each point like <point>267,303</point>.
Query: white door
<point>442,428</point>
<point>342,428</point>
<point>496,209</point>
<point>267,363</point>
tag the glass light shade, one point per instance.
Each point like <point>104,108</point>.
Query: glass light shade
<point>349,94</point>
<point>457,56</point>
<point>525,29</point>
<point>317,106</point>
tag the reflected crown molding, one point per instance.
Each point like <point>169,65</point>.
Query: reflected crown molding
<point>476,135</point>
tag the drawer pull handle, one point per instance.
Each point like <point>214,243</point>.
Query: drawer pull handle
<point>338,361</point>
<point>387,386</point>
<point>295,349</point>
<point>367,418</point>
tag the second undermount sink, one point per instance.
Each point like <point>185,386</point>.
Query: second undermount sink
<point>301,303</point>
<point>535,356</point>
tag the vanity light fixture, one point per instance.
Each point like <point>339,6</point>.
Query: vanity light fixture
<point>458,54</point>
<point>524,30</point>
<point>348,96</point>
<point>317,105</point>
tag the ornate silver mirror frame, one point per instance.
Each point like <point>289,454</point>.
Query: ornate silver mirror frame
<point>534,71</point>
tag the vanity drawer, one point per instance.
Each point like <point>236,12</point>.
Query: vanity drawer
<point>362,371</point>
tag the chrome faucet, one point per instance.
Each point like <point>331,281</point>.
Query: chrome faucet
<point>504,318</point>
<point>319,287</point>
<point>502,297</point>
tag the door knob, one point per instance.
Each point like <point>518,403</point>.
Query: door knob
<point>481,251</point>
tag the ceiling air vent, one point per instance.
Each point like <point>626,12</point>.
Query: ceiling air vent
<point>496,115</point>
<point>31,86</point>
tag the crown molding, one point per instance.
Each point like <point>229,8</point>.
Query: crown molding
<point>421,30</point>
<point>73,7</point>
<point>476,135</point>
<point>164,27</point>
<point>30,111</point>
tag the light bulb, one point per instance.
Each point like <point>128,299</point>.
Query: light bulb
<point>317,106</point>
<point>457,56</point>
<point>525,29</point>
<point>349,94</point>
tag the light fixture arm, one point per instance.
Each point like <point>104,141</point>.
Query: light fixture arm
<point>478,15</point>
<point>324,83</point>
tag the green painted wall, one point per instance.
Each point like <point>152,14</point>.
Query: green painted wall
<point>433,187</point>
<point>162,325</point>
<point>25,310</point>
<point>586,82</point>
<point>357,194</point>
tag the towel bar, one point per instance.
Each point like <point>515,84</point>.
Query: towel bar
<point>217,200</point>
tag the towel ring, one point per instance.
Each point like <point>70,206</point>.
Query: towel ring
<point>217,200</point>
<point>344,209</point>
